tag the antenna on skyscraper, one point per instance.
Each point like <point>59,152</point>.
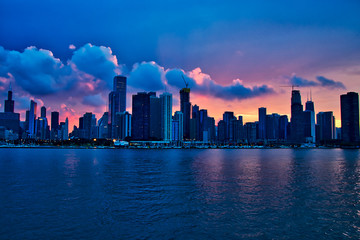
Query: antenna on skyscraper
<point>310,95</point>
<point>186,83</point>
<point>10,87</point>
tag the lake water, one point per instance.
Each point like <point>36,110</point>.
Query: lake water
<point>179,194</point>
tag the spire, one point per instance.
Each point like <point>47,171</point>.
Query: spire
<point>10,87</point>
<point>310,95</point>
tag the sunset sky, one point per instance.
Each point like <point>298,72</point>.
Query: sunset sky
<point>236,55</point>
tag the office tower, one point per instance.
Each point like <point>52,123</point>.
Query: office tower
<point>262,123</point>
<point>185,108</point>
<point>178,124</point>
<point>140,124</point>
<point>166,115</point>
<point>195,115</point>
<point>272,126</point>
<point>87,125</point>
<point>309,121</point>
<point>297,118</point>
<point>212,129</point>
<point>236,126</point>
<point>155,118</point>
<point>283,127</point>
<point>103,126</point>
<point>8,119</point>
<point>326,126</point>
<point>9,103</point>
<point>54,121</point>
<point>221,131</point>
<point>65,130</point>
<point>94,128</point>
<point>123,125</point>
<point>27,120</point>
<point>43,112</point>
<point>203,125</point>
<point>250,132</point>
<point>350,117</point>
<point>193,122</point>
<point>117,101</point>
<point>227,117</point>
<point>32,118</point>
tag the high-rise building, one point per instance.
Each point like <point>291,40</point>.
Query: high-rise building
<point>140,124</point>
<point>103,126</point>
<point>309,121</point>
<point>227,117</point>
<point>250,132</point>
<point>262,123</point>
<point>54,121</point>
<point>117,101</point>
<point>185,108</point>
<point>178,132</point>
<point>326,126</point>
<point>166,115</point>
<point>32,118</point>
<point>297,118</point>
<point>43,112</point>
<point>123,125</point>
<point>350,117</point>
<point>221,131</point>
<point>237,130</point>
<point>212,129</point>
<point>203,126</point>
<point>283,127</point>
<point>195,116</point>
<point>9,103</point>
<point>272,126</point>
<point>155,118</point>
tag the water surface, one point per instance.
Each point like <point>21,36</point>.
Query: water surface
<point>179,194</point>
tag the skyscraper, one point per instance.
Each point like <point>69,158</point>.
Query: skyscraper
<point>32,118</point>
<point>54,121</point>
<point>350,117</point>
<point>309,121</point>
<point>262,123</point>
<point>9,103</point>
<point>178,132</point>
<point>43,112</point>
<point>227,117</point>
<point>123,125</point>
<point>166,115</point>
<point>155,118</point>
<point>103,126</point>
<point>297,119</point>
<point>117,101</point>
<point>326,126</point>
<point>140,124</point>
<point>185,108</point>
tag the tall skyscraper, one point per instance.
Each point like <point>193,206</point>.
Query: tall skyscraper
<point>123,125</point>
<point>103,126</point>
<point>54,121</point>
<point>117,101</point>
<point>185,108</point>
<point>297,119</point>
<point>140,124</point>
<point>178,131</point>
<point>155,118</point>
<point>309,121</point>
<point>32,118</point>
<point>326,126</point>
<point>43,112</point>
<point>350,117</point>
<point>9,103</point>
<point>227,117</point>
<point>262,123</point>
<point>166,115</point>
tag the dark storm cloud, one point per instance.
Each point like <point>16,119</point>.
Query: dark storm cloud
<point>319,82</point>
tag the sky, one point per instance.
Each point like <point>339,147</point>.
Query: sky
<point>236,55</point>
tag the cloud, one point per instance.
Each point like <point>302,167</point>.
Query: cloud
<point>147,76</point>
<point>72,47</point>
<point>94,100</point>
<point>202,83</point>
<point>319,82</point>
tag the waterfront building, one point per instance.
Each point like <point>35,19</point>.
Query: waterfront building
<point>32,118</point>
<point>103,126</point>
<point>166,116</point>
<point>178,124</point>
<point>140,124</point>
<point>117,102</point>
<point>123,125</point>
<point>9,120</point>
<point>283,127</point>
<point>155,118</point>
<point>227,117</point>
<point>9,103</point>
<point>185,108</point>
<point>262,123</point>
<point>326,126</point>
<point>297,118</point>
<point>350,117</point>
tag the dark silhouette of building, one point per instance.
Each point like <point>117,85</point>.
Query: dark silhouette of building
<point>155,118</point>
<point>117,102</point>
<point>283,127</point>
<point>185,108</point>
<point>350,117</point>
<point>123,125</point>
<point>228,117</point>
<point>140,124</point>
<point>326,126</point>
<point>54,121</point>
<point>32,118</point>
<point>9,103</point>
<point>272,126</point>
<point>221,131</point>
<point>297,118</point>
<point>309,121</point>
<point>262,123</point>
<point>43,112</point>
